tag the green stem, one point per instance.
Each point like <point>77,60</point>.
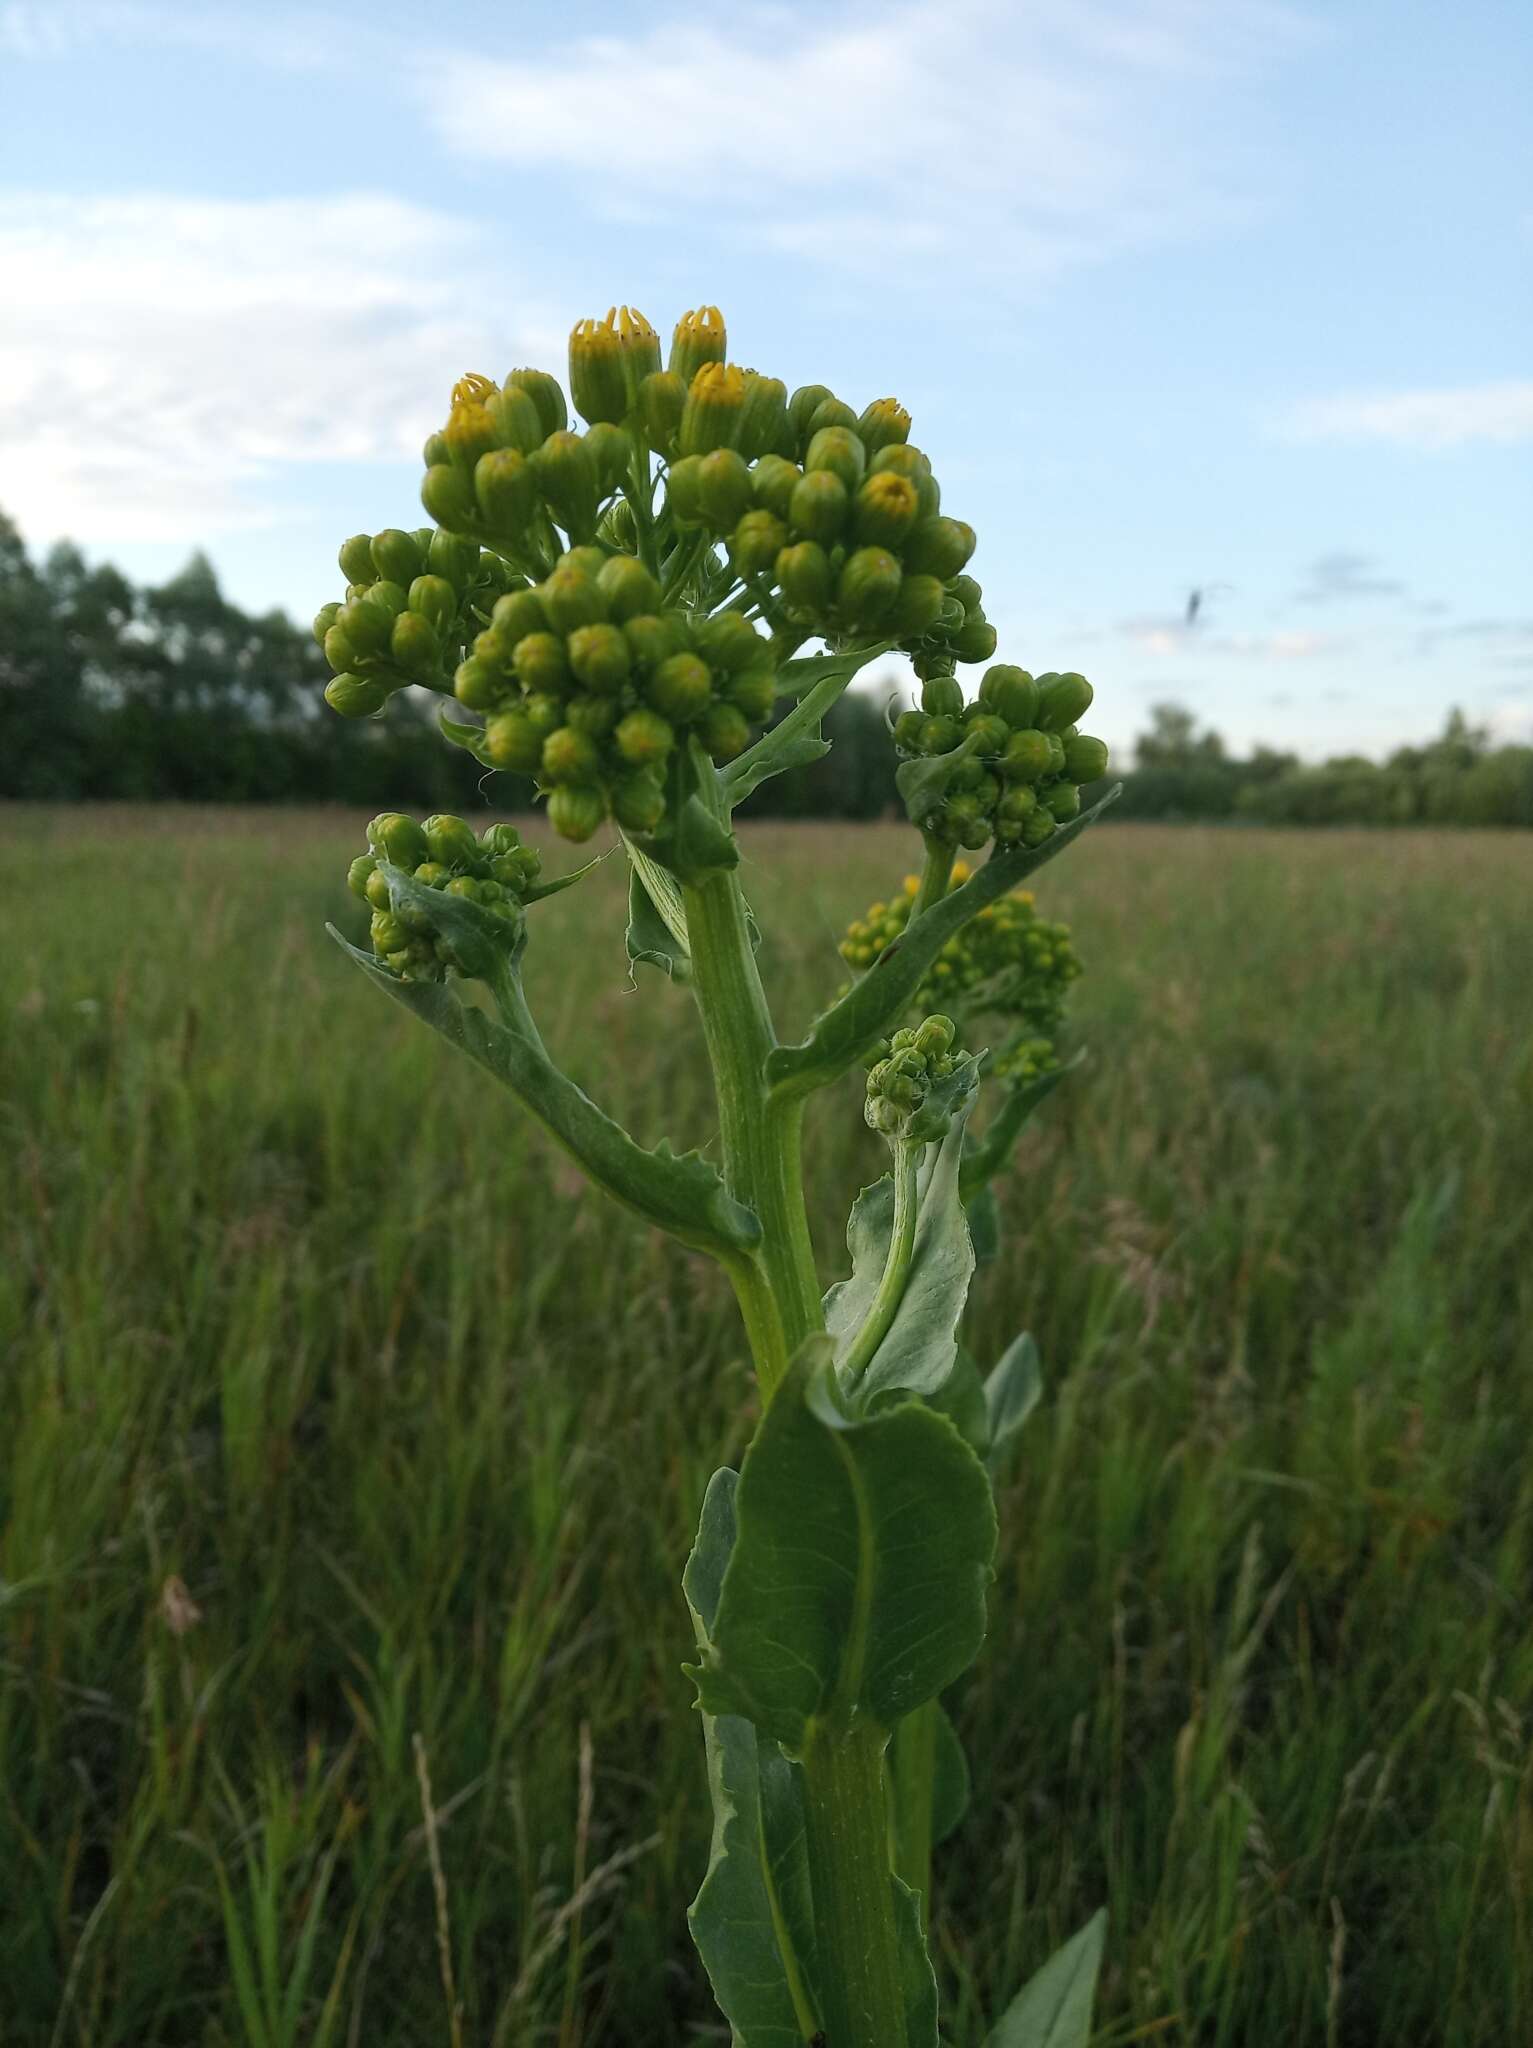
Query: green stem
<point>891,1288</point>
<point>913,1772</point>
<point>846,1824</point>
<point>935,875</point>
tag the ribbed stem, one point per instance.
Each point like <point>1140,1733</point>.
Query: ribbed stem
<point>846,1824</point>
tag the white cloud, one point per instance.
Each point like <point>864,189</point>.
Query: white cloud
<point>165,361</point>
<point>1500,412</point>
<point>1174,636</point>
<point>1017,139</point>
<point>67,30</point>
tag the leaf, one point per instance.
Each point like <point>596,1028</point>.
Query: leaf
<point>857,1582</point>
<point>1053,2010</point>
<point>989,1152</point>
<point>950,1779</point>
<point>693,840</point>
<point>534,892</point>
<point>924,781</point>
<point>918,1981</point>
<point>1012,1392</point>
<point>469,737</point>
<point>961,1398</point>
<point>681,1193</point>
<point>874,1004</point>
<point>651,940</point>
<point>918,1352</point>
<point>752,1919</point>
<point>796,740</point>
<point>984,1213</point>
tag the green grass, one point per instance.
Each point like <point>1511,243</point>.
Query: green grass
<point>295,1312</point>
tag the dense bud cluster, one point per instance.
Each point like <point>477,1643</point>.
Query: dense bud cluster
<point>1012,760</point>
<point>1006,963</point>
<point>412,604</point>
<point>493,870</point>
<point>903,1071</point>
<point>588,682</point>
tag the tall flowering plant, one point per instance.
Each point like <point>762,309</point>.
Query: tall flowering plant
<point>651,615</point>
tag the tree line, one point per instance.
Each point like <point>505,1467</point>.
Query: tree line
<point>113,691</point>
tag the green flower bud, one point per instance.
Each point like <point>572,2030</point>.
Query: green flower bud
<point>572,597</point>
<point>434,599</point>
<point>802,407</point>
<point>449,497</point>
<point>683,492</point>
<point>449,556</point>
<point>506,492</point>
<point>764,417</point>
<point>867,586</point>
<point>725,731</point>
<point>638,802</point>
<point>754,691</point>
<point>729,641</point>
<point>544,711</point>
<point>883,423</point>
<point>597,383</point>
<point>756,542</point>
<point>987,731</point>
<point>435,450</point>
<point>916,608</point>
<point>1017,803</point>
<point>830,412</point>
<point>515,420</point>
<point>398,839</point>
<point>477,685</point>
<point>699,338</point>
<point>618,526</point>
<point>1063,802</point>
<point>723,488</point>
<point>566,473</point>
<point>628,587</point>
<point>469,432</point>
<point>887,508</point>
<point>513,742</point>
<point>569,756</point>
<point>940,547</point>
<point>651,639</point>
<point>1026,757</point>
<point>590,560</point>
<point>909,463</point>
<point>942,696</point>
<point>359,873</point>
<point>398,556</point>
<point>1011,693</point>
<point>975,640</point>
<point>804,576</point>
<point>772,482</point>
<point>1038,827</point>
<point>600,658</point>
<point>339,652</point>
<point>414,646</point>
<point>356,558</point>
<point>517,614</point>
<point>907,730</point>
<point>499,839</point>
<point>450,840</point>
<point>324,619</point>
<point>376,891</point>
<point>611,451</point>
<point>1066,698</point>
<point>714,409</point>
<point>644,738</point>
<point>545,394</point>
<point>364,626</point>
<point>388,933</point>
<point>940,735</point>
<point>386,597</point>
<point>1056,753</point>
<point>662,400</point>
<point>681,687</point>
<point>540,663</point>
<point>576,812</point>
<point>1085,758</point>
<point>818,507</point>
<point>591,715</point>
<point>838,450</point>
<point>935,1036</point>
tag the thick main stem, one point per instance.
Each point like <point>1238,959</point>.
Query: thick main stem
<point>846,1827</point>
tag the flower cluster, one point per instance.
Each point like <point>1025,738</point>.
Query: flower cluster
<point>588,680</point>
<point>494,870</point>
<point>411,606</point>
<point>1008,766</point>
<point>904,1070</point>
<point>1007,963</point>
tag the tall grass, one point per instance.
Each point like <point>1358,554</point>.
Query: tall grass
<point>349,1451</point>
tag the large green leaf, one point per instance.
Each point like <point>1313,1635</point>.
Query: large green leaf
<point>1053,2010</point>
<point>680,1193</point>
<point>857,1583</point>
<point>875,1003</point>
<point>752,1919</point>
<point>917,1354</point>
<point>1012,1392</point>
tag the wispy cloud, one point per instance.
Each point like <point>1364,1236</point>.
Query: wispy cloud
<point>1166,635</point>
<point>165,361</point>
<point>1341,577</point>
<point>1449,418</point>
<point>54,31</point>
<point>1021,139</point>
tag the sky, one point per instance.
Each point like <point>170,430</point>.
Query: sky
<point>1185,295</point>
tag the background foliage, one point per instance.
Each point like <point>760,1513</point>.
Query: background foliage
<point>335,1413</point>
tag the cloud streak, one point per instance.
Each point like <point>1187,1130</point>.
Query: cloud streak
<point>1499,414</point>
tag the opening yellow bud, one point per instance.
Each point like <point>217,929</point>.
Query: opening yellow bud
<point>473,389</point>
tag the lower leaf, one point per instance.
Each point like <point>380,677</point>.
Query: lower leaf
<point>1053,2010</point>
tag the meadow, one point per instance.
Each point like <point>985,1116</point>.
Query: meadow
<point>350,1450</point>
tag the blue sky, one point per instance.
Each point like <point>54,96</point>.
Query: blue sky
<point>1225,296</point>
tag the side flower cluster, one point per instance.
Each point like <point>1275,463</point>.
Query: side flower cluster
<point>1011,762</point>
<point>411,606</point>
<point>1007,964</point>
<point>493,870</point>
<point>904,1071</point>
<point>588,680</point>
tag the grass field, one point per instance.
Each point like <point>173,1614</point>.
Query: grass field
<point>344,1440</point>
